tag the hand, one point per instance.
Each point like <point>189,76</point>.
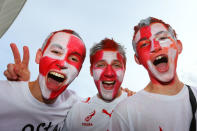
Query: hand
<point>19,70</point>
<point>129,92</point>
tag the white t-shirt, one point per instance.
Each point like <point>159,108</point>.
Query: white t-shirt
<point>146,111</point>
<point>92,114</point>
<point>20,111</point>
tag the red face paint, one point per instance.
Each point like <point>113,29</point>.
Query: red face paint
<point>61,62</point>
<point>108,71</point>
<point>157,52</point>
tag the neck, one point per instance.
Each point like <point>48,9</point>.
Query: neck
<point>35,90</point>
<point>171,88</point>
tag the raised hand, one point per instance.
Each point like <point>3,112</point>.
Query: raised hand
<point>19,70</point>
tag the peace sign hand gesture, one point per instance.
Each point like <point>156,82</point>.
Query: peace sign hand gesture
<point>19,70</point>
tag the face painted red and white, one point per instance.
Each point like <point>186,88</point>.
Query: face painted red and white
<point>108,71</point>
<point>157,51</point>
<point>60,63</point>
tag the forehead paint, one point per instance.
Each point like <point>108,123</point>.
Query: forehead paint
<point>59,41</point>
<point>109,56</point>
<point>145,32</point>
<point>76,45</point>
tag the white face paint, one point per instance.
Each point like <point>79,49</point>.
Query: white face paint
<point>107,69</point>
<point>57,60</point>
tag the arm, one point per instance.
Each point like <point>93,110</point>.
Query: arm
<point>19,70</point>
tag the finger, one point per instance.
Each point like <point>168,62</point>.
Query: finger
<point>10,69</point>
<point>8,76</point>
<point>15,51</point>
<point>25,56</point>
<point>23,73</point>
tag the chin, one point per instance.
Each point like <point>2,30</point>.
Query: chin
<point>107,97</point>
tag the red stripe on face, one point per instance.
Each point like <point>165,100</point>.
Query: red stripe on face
<point>145,32</point>
<point>77,48</point>
<point>97,56</point>
<point>47,63</point>
<point>55,94</point>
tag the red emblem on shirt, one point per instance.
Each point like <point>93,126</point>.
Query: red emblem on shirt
<point>105,111</point>
<point>87,100</point>
<point>90,116</point>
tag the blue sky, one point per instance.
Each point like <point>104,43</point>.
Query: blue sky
<point>96,19</point>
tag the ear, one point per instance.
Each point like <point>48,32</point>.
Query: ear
<point>38,56</point>
<point>91,72</point>
<point>180,47</point>
<point>137,60</point>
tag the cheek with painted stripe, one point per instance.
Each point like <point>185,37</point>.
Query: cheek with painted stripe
<point>46,64</point>
<point>120,75</point>
<point>97,74</point>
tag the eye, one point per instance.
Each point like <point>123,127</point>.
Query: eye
<point>144,45</point>
<point>163,38</point>
<point>117,65</point>
<point>73,58</point>
<point>56,52</point>
<point>100,64</point>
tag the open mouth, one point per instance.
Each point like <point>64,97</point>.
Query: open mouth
<point>160,59</point>
<point>108,84</point>
<point>55,80</point>
<point>56,76</point>
<point>161,63</point>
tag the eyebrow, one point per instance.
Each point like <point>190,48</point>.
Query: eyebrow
<point>58,46</point>
<point>144,38</point>
<point>116,61</point>
<point>161,32</point>
<point>76,53</point>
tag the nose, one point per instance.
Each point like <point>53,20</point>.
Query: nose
<point>61,65</point>
<point>109,72</point>
<point>155,46</point>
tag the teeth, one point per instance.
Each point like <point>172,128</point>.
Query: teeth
<point>108,82</point>
<point>159,57</point>
<point>57,74</point>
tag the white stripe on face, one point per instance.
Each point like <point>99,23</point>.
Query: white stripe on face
<point>97,74</point>
<point>71,73</point>
<point>46,93</point>
<point>120,75</point>
<point>109,56</point>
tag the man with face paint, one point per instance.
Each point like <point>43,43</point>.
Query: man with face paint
<point>164,104</point>
<point>44,103</point>
<point>108,64</point>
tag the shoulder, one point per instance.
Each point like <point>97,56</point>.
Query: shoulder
<point>194,89</point>
<point>12,84</point>
<point>129,103</point>
<point>69,93</point>
<point>69,97</point>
